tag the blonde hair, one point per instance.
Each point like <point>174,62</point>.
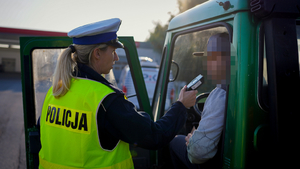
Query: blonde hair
<point>67,64</point>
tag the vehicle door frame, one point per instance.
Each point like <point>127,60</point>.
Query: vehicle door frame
<point>27,45</point>
<point>162,84</point>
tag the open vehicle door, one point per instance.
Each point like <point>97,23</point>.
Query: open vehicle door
<point>38,61</point>
<point>262,111</point>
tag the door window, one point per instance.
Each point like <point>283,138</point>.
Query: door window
<point>203,52</point>
<point>263,86</point>
<point>43,64</point>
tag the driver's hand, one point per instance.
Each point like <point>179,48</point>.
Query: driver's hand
<point>193,129</point>
<point>187,139</point>
<point>187,98</point>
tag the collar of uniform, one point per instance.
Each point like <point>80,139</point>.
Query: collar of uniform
<point>85,71</point>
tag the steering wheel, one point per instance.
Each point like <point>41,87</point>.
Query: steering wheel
<point>198,98</point>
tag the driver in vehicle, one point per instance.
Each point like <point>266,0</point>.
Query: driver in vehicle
<point>197,149</point>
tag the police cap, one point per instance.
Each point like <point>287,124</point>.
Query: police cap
<point>99,32</point>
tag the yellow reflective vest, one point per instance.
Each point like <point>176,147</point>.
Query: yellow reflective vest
<point>69,133</point>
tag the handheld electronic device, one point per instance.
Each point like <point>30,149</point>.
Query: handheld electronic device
<point>195,83</point>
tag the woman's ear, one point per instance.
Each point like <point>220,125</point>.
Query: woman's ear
<point>96,53</point>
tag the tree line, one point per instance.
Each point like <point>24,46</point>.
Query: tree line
<point>157,36</point>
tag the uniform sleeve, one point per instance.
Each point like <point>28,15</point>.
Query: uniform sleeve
<point>125,123</point>
<point>204,142</point>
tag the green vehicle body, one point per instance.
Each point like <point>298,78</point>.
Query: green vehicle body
<point>246,133</point>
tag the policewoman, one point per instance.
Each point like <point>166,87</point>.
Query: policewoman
<point>86,122</point>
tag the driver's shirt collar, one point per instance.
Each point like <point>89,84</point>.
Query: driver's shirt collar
<point>222,86</point>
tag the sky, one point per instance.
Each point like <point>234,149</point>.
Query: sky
<point>138,16</point>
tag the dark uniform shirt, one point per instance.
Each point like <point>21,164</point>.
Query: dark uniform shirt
<point>118,119</point>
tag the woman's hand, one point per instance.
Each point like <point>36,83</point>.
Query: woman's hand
<point>187,98</point>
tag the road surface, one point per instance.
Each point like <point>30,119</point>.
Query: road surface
<point>12,139</point>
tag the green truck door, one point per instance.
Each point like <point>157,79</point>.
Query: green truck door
<point>38,60</point>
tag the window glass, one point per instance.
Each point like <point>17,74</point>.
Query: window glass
<point>265,76</point>
<point>194,56</point>
<point>150,71</point>
<point>264,89</point>
<point>44,62</point>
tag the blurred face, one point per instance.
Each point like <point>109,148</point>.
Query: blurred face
<point>103,61</point>
<point>217,64</point>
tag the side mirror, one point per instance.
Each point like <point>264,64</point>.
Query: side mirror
<point>175,70</point>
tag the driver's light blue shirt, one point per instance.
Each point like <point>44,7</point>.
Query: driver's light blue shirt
<point>204,142</point>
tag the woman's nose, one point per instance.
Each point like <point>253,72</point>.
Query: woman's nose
<point>116,57</point>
